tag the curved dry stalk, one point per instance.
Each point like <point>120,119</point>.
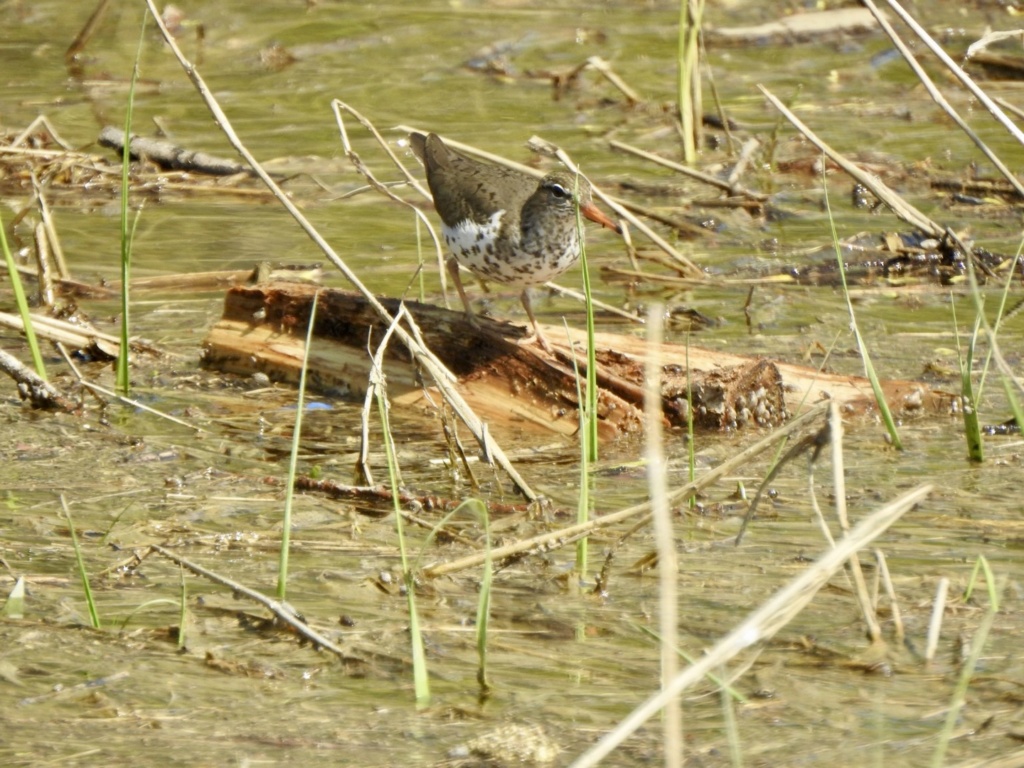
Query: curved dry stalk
<point>433,367</point>
<point>361,168</point>
<point>839,486</point>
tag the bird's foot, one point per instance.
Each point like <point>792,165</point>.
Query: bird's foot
<point>538,338</point>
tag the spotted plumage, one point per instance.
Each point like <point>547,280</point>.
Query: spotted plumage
<point>504,225</point>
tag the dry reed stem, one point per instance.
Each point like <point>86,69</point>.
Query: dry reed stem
<point>957,71</point>
<point>431,365</point>
<point>661,512</point>
<point>541,145</point>
<point>376,389</point>
<point>839,486</point>
<point>601,66</point>
<point>726,185</point>
<point>935,624</point>
<point>878,188</point>
<point>937,96</point>
<point>890,591</point>
<point>762,623</point>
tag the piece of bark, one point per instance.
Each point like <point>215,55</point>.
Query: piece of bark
<point>171,157</point>
<point>513,386</point>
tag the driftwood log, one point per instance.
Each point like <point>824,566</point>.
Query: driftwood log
<point>516,386</point>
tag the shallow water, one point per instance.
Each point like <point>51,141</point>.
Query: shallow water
<point>570,661</point>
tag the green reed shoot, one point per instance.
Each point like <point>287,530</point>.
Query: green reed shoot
<point>421,679</point>
<point>968,401</point>
<point>869,368</point>
<point>22,302</point>
<point>483,609</point>
<point>583,502</point>
<point>146,605</point>
<point>992,331</point>
<point>588,411</point>
<point>94,616</point>
<point>293,458</point>
<point>123,377</point>
<point>984,568</point>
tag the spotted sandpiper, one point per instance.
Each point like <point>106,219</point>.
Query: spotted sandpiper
<point>505,225</point>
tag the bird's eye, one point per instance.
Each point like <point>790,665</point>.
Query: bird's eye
<point>560,192</point>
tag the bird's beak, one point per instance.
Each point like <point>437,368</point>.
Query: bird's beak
<point>596,215</point>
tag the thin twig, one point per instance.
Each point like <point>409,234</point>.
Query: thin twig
<point>282,611</point>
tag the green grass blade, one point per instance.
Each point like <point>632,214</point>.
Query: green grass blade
<point>421,679</point>
<point>959,697</point>
<point>588,412</point>
<point>293,458</point>
<point>869,368</point>
<point>94,616</point>
<point>968,400</point>
<point>22,302</point>
<point>123,375</point>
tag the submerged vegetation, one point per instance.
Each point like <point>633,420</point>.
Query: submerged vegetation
<point>501,598</point>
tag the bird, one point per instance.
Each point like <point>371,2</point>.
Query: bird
<point>504,225</point>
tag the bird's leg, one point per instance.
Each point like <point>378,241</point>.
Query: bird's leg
<point>537,336</point>
<point>453,270</point>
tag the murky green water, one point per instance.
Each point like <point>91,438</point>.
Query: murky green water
<point>575,663</point>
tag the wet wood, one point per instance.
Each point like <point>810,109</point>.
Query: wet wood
<point>171,157</point>
<point>515,386</point>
